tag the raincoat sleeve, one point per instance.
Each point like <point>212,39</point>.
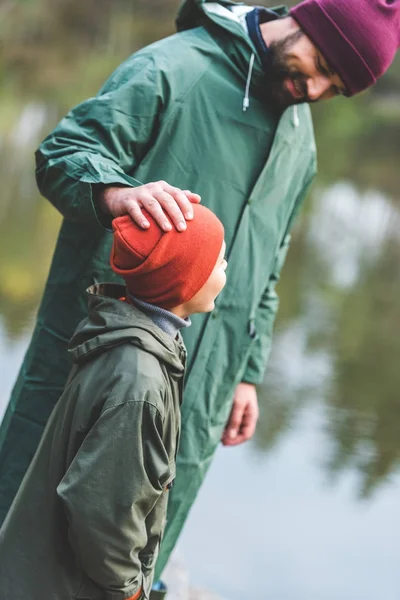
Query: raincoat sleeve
<point>268,307</point>
<point>101,141</point>
<point>111,487</point>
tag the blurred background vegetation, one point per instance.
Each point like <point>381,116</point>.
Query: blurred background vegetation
<point>344,328</point>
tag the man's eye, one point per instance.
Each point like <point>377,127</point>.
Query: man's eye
<point>323,69</point>
<point>339,91</point>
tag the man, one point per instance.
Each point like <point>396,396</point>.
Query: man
<point>220,108</point>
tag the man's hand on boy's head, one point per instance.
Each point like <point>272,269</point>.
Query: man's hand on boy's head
<point>244,415</point>
<point>160,199</point>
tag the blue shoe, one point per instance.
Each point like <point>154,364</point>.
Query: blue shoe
<point>158,591</point>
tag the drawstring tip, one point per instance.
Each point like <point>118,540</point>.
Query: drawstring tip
<point>296,120</point>
<point>246,101</point>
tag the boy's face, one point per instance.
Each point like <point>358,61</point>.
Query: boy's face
<point>203,301</point>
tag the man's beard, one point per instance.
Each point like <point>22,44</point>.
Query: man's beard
<point>278,71</point>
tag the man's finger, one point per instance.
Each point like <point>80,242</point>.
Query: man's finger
<point>245,433</point>
<point>136,215</point>
<point>183,197</point>
<point>249,421</point>
<point>153,207</point>
<point>171,207</point>
<point>193,197</point>
<point>184,203</point>
<point>246,427</point>
<point>234,423</point>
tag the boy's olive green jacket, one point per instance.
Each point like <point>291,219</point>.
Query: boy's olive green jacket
<point>87,520</point>
<point>174,111</point>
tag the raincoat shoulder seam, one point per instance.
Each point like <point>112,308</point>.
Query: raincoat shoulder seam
<point>163,69</point>
<point>185,93</point>
<point>190,87</point>
<point>132,401</point>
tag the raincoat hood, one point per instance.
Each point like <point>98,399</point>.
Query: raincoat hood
<point>233,38</point>
<point>111,322</point>
<point>196,13</point>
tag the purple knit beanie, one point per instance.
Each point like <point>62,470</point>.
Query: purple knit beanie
<point>358,38</point>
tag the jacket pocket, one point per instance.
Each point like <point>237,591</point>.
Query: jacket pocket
<point>167,481</point>
<point>148,555</point>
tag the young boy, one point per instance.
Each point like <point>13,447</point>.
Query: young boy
<point>88,518</point>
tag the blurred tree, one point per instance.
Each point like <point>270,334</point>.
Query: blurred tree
<point>362,337</point>
<point>365,420</point>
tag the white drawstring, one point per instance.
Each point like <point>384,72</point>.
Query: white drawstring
<point>246,100</point>
<point>296,120</point>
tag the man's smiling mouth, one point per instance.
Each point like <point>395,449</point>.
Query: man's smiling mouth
<point>294,87</point>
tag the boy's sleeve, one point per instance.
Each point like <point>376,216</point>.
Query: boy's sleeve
<point>112,485</point>
<point>101,141</point>
<point>269,304</point>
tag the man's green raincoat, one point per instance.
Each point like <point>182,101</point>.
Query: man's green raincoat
<point>174,111</point>
<point>88,518</point>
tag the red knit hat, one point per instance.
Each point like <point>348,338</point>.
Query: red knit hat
<point>358,38</point>
<point>166,268</point>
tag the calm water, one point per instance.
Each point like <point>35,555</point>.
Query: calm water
<point>309,509</point>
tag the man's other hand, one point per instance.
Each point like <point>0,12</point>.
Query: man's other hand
<point>164,202</point>
<point>244,415</point>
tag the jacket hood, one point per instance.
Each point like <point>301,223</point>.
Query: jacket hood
<point>197,13</point>
<point>228,17</point>
<point>111,322</point>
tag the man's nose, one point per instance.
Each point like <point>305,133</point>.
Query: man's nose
<point>317,87</point>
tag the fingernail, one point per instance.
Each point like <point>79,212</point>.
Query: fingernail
<point>167,227</point>
<point>232,434</point>
<point>145,224</point>
<point>189,215</point>
<point>181,226</point>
